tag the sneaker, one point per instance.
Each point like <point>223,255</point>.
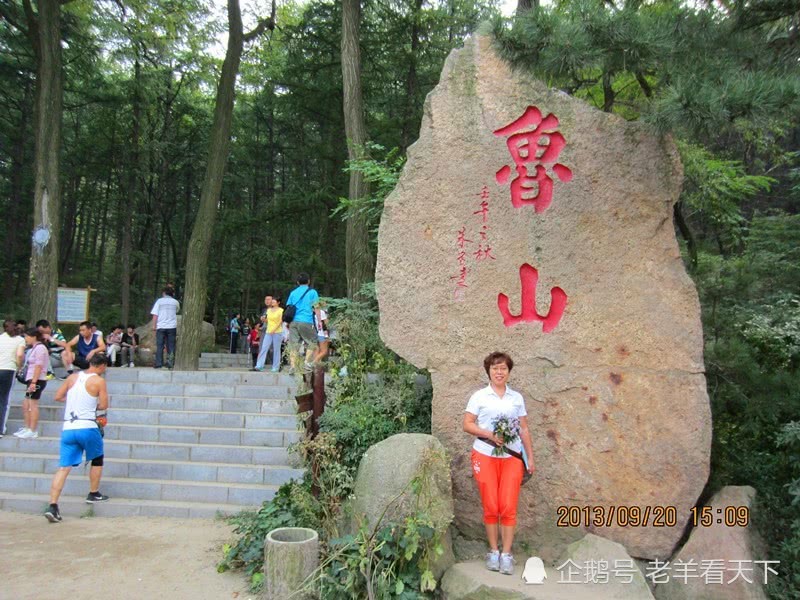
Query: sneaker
<point>95,497</point>
<point>50,376</point>
<point>28,434</point>
<point>506,564</point>
<point>274,370</point>
<point>20,431</point>
<point>52,514</point>
<point>493,560</point>
<point>131,365</point>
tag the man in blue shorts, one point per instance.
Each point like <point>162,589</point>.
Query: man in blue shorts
<point>85,394</point>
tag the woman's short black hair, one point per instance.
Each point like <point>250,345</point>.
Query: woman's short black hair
<point>34,333</point>
<point>495,358</point>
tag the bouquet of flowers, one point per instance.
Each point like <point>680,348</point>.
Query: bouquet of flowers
<point>507,429</point>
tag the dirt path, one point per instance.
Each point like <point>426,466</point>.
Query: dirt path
<point>126,558</point>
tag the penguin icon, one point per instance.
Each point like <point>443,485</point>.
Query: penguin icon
<point>534,571</point>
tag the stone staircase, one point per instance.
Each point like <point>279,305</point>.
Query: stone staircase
<point>219,360</point>
<point>179,444</point>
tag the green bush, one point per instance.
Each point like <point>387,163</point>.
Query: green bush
<point>751,318</point>
<point>384,563</point>
<point>292,506</point>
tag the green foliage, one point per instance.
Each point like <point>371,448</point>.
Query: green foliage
<point>689,70</point>
<point>718,188</point>
<point>382,174</point>
<point>393,559</point>
<point>292,506</point>
<point>376,394</point>
<point>751,320</point>
<point>392,562</point>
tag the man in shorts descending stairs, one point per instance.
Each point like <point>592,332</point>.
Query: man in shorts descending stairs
<point>86,394</point>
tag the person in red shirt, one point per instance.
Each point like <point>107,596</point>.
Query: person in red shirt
<point>252,337</point>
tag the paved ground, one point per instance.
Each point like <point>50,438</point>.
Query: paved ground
<point>126,558</point>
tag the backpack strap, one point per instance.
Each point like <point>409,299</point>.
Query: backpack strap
<point>299,300</point>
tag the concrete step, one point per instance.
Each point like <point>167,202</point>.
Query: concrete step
<point>142,488</point>
<point>276,432</point>
<point>185,444</point>
<point>170,451</point>
<point>130,402</point>
<point>158,469</point>
<point>220,377</point>
<point>75,506</point>
<point>202,390</point>
<point>162,416</point>
<point>145,375</point>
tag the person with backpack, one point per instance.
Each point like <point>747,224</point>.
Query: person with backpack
<point>299,314</point>
<point>234,327</point>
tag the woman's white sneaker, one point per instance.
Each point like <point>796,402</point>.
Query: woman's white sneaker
<point>20,431</point>
<point>28,434</point>
<point>506,564</point>
<point>493,560</point>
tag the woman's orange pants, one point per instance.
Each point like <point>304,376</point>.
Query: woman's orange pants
<point>499,480</point>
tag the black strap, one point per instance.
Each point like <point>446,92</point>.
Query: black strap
<point>308,289</point>
<point>513,453</point>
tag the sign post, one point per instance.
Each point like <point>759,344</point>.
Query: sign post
<point>72,305</point>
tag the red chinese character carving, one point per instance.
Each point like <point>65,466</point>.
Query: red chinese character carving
<point>529,151</point>
<point>483,211</point>
<point>529,277</point>
<point>483,252</point>
<point>461,258</point>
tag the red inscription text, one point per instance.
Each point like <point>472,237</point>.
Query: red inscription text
<point>529,278</point>
<point>534,143</point>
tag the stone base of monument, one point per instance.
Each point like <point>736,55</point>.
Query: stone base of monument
<point>472,581</point>
<point>291,554</point>
<point>620,579</point>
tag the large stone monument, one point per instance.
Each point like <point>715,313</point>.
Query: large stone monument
<point>527,221</point>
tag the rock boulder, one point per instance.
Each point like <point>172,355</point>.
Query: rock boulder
<point>527,221</point>
<point>730,547</point>
<point>384,480</point>
<point>147,341</point>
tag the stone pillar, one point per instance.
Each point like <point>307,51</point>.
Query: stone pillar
<point>291,554</point>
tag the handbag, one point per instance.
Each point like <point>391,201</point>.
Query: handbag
<point>521,456</point>
<point>22,371</point>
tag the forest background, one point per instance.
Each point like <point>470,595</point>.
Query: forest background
<point>140,80</point>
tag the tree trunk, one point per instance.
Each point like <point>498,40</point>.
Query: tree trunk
<point>189,341</point>
<point>358,254</point>
<point>133,186</point>
<point>608,93</point>
<point>686,232</point>
<point>45,34</point>
<point>526,5</point>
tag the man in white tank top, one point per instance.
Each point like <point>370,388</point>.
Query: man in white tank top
<point>85,393</point>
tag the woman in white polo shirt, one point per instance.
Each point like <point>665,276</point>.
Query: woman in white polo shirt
<point>12,351</point>
<point>498,477</point>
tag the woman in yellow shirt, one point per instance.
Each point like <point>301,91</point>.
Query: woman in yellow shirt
<point>274,334</point>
